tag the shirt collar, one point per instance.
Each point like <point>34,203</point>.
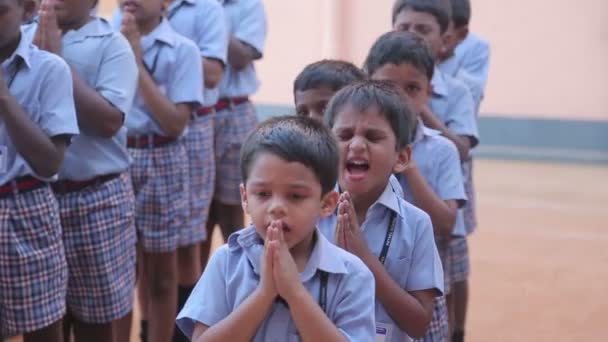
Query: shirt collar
<point>177,4</point>
<point>388,199</point>
<point>438,83</point>
<point>321,257</point>
<point>97,27</point>
<point>163,33</point>
<point>23,51</point>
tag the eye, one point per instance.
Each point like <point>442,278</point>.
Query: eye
<point>302,112</point>
<point>374,136</point>
<point>344,135</point>
<point>412,89</point>
<point>262,194</point>
<point>296,196</point>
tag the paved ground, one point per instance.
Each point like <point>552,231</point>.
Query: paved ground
<point>540,255</point>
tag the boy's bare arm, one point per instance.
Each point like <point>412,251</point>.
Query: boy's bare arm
<point>43,154</point>
<point>240,54</point>
<point>213,71</point>
<point>442,213</point>
<point>311,321</point>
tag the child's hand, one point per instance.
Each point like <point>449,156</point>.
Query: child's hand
<point>48,34</point>
<point>428,117</point>
<point>129,29</point>
<point>347,221</point>
<point>266,286</point>
<point>409,167</point>
<point>285,272</point>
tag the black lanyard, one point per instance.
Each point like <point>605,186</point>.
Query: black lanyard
<point>323,291</point>
<point>174,10</point>
<point>388,238</point>
<point>152,69</point>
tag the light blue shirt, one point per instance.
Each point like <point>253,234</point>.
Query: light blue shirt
<point>234,272</point>
<point>203,22</point>
<point>103,59</point>
<point>412,259</point>
<point>177,70</point>
<point>452,102</point>
<point>473,56</point>
<point>437,159</point>
<point>246,22</point>
<point>42,84</point>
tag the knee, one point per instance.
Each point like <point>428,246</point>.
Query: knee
<point>161,284</point>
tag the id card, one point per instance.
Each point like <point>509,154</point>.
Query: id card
<point>383,332</point>
<point>3,159</point>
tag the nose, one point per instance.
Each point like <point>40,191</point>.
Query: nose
<point>276,208</point>
<point>357,144</point>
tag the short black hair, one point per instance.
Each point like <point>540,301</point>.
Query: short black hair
<point>389,100</point>
<point>400,48</point>
<point>334,74</point>
<point>440,9</point>
<point>461,13</point>
<point>294,139</point>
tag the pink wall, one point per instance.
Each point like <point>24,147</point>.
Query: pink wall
<point>550,57</point>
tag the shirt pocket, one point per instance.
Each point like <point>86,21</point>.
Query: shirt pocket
<point>400,270</point>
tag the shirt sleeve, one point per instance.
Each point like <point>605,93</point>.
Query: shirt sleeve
<point>251,28</point>
<point>462,119</point>
<point>425,271</point>
<point>57,111</point>
<point>118,74</point>
<point>116,20</point>
<point>185,84</point>
<point>212,32</point>
<point>354,315</point>
<point>450,184</point>
<point>477,62</point>
<point>207,304</point>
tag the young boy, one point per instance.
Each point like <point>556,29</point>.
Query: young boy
<point>433,181</point>
<point>203,22</point>
<point>318,82</point>
<point>373,124</point>
<point>170,89</point>
<point>280,279</point>
<point>37,119</point>
<point>467,58</point>
<point>94,192</point>
<point>235,114</point>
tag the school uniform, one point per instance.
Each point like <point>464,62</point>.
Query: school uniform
<point>33,268</point>
<point>160,166</point>
<point>437,160</point>
<point>234,272</point>
<point>411,258</point>
<point>94,191</point>
<point>235,114</point>
<point>473,56</point>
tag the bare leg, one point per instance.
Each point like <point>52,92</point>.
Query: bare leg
<point>89,332</point>
<point>230,217</point>
<point>461,298</point>
<point>51,333</point>
<point>161,269</point>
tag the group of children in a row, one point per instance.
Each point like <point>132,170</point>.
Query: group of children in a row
<point>378,163</point>
<point>110,136</point>
<point>129,130</point>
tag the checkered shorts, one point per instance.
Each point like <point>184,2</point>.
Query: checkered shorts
<point>33,269</point>
<point>438,330</point>
<point>469,213</point>
<point>99,238</point>
<point>160,183</point>
<point>443,247</point>
<point>231,128</point>
<point>459,259</point>
<point>201,167</point>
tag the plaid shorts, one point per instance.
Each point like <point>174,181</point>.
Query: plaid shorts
<point>231,128</point>
<point>99,238</point>
<point>33,268</point>
<point>201,167</point>
<point>459,259</point>
<point>160,183</point>
<point>438,330</point>
<point>443,247</point>
<point>469,213</point>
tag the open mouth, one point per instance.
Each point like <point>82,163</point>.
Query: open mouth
<point>357,168</point>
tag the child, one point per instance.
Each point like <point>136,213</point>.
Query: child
<point>318,82</point>
<point>37,119</point>
<point>280,279</point>
<point>466,58</point>
<point>433,181</point>
<point>202,22</point>
<point>235,114</point>
<point>373,125</point>
<point>94,192</point>
<point>170,89</point>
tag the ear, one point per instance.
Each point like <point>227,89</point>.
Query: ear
<point>403,159</point>
<point>329,203</point>
<point>244,202</point>
<point>462,33</point>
